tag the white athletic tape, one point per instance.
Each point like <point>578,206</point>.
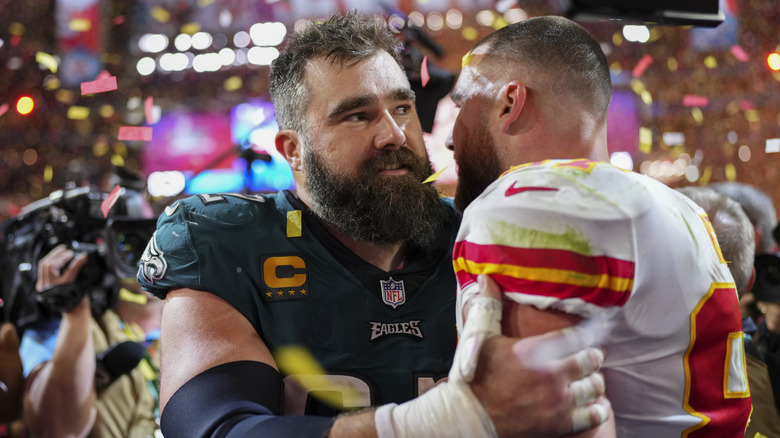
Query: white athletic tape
<point>482,323</point>
<point>585,390</point>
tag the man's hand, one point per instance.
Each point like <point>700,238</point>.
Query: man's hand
<point>60,266</point>
<point>536,387</point>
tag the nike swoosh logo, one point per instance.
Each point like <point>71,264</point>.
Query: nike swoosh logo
<point>169,210</point>
<point>515,190</point>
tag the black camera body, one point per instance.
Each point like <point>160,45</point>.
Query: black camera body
<point>74,218</point>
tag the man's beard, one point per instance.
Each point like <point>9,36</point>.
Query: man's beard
<point>382,210</point>
<point>477,168</point>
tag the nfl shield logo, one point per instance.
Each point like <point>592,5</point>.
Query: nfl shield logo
<point>393,293</point>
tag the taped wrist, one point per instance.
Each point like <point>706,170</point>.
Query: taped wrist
<point>236,399</point>
<point>446,410</point>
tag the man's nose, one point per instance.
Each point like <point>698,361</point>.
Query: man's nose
<point>390,134</point>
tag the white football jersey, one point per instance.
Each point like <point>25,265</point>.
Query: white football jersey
<point>637,260</point>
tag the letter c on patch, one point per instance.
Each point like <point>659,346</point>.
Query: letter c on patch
<point>293,264</point>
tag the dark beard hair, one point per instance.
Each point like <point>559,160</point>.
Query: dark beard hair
<point>376,209</point>
<point>477,169</point>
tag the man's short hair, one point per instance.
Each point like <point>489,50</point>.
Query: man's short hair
<point>732,228</point>
<point>559,51</point>
<point>342,39</point>
<point>757,205</point>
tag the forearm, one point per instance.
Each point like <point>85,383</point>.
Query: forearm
<point>60,398</point>
<point>355,425</point>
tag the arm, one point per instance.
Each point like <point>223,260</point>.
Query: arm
<point>201,331</point>
<point>60,394</point>
<point>523,321</point>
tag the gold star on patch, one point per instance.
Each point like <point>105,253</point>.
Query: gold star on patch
<point>292,292</point>
<point>280,293</point>
<point>268,294</point>
<point>303,291</point>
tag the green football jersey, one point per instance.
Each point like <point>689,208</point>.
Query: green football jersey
<point>388,335</point>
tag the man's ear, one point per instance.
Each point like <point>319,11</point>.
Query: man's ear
<point>288,144</point>
<point>512,98</point>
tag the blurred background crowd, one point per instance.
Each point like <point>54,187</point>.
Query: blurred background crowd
<point>692,104</point>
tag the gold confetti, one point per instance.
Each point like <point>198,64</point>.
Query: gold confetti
<point>465,60</point>
<point>672,64</point>
<point>645,140</point>
<point>638,86</point>
<point>204,3</point>
<point>161,14</point>
<point>16,29</point>
<point>294,226</point>
<point>47,61</point>
<point>731,172</point>
<point>78,112</point>
<point>48,173</point>
<point>106,111</point>
<point>300,364</point>
<point>752,115</point>
<point>80,25</point>
<point>435,176</point>
<point>126,295</point>
<point>470,33</point>
<point>117,160</point>
<point>190,28</point>
<point>710,62</point>
<point>705,176</point>
<point>698,116</point>
<point>233,83</point>
<point>647,98</point>
<point>51,82</point>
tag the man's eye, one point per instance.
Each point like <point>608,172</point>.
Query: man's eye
<point>404,109</point>
<point>355,117</point>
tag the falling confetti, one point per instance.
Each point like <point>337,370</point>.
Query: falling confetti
<point>135,133</point>
<point>47,61</point>
<point>739,53</point>
<point>299,363</point>
<point>99,85</point>
<point>435,176</point>
<point>641,66</point>
<point>78,112</point>
<point>694,100</point>
<point>424,75</point>
<point>110,200</point>
<point>149,110</point>
<point>3,108</point>
<point>80,25</point>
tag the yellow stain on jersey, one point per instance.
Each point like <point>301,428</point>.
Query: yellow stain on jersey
<point>300,364</point>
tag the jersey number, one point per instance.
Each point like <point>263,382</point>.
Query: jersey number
<point>711,359</point>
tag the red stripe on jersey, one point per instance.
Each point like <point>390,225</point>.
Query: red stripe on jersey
<point>544,258</point>
<point>598,296</point>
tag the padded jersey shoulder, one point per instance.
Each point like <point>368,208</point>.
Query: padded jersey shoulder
<point>172,257</point>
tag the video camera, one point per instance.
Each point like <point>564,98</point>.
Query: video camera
<point>73,217</point>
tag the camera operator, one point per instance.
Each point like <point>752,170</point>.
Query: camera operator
<point>91,374</point>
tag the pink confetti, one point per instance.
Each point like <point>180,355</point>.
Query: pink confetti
<point>746,105</point>
<point>110,200</point>
<point>119,19</point>
<point>99,85</point>
<point>424,75</point>
<point>739,53</point>
<point>641,66</point>
<point>3,108</point>
<point>135,133</point>
<point>149,110</point>
<point>694,100</point>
